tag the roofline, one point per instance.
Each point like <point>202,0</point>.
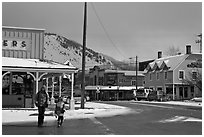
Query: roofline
<point>181,62</point>
<point>32,69</point>
<point>22,28</point>
<point>121,70</point>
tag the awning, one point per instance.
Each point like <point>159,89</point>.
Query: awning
<point>33,65</point>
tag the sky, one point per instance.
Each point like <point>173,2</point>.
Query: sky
<point>118,29</point>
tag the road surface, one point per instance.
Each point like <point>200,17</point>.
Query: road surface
<point>146,119</point>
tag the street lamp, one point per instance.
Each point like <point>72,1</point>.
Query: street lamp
<point>135,70</point>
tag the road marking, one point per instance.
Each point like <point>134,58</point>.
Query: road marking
<point>152,105</point>
<point>105,129</point>
<point>181,119</point>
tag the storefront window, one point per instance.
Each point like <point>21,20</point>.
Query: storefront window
<point>169,90</point>
<point>17,85</point>
<point>185,92</point>
<point>5,85</point>
<point>29,83</point>
<point>180,91</point>
<point>192,91</point>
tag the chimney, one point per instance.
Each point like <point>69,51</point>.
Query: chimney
<point>188,49</point>
<point>159,54</point>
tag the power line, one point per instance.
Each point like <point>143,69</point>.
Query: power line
<point>108,36</point>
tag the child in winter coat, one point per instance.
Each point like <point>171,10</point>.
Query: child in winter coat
<point>59,111</point>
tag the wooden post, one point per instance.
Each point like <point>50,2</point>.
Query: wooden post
<point>71,103</point>
<point>83,57</point>
<point>10,83</point>
<point>52,98</point>
<point>36,80</point>
<point>136,73</point>
<point>60,86</point>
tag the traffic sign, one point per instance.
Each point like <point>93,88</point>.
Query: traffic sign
<point>97,89</point>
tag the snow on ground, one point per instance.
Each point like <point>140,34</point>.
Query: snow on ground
<point>180,119</point>
<point>183,103</point>
<point>91,110</point>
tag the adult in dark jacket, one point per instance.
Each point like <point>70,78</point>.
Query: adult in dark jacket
<point>41,102</point>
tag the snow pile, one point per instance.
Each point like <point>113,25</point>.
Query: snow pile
<point>182,103</point>
<point>91,110</point>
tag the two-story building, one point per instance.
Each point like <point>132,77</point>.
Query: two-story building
<point>24,69</point>
<point>109,77</point>
<point>175,76</point>
<point>113,84</point>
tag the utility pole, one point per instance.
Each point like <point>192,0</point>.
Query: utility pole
<point>83,57</point>
<point>200,41</point>
<point>136,73</point>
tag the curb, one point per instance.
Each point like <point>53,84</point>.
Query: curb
<point>175,104</point>
<point>50,107</point>
<point>29,109</point>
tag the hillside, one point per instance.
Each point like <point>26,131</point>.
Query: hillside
<point>61,49</point>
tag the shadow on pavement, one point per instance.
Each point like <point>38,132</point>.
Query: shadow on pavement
<point>27,124</point>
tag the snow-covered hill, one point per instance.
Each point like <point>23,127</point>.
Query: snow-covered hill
<point>61,49</point>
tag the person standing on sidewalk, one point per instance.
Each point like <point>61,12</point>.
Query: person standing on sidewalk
<point>41,102</point>
<point>59,111</point>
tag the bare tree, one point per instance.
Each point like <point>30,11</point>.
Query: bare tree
<point>194,77</point>
<point>171,51</point>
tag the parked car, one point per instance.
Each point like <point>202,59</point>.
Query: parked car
<point>142,93</point>
<point>77,99</point>
<point>197,99</point>
<point>152,96</point>
<point>161,96</point>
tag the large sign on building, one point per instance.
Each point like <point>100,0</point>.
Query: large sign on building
<point>20,42</point>
<point>16,44</point>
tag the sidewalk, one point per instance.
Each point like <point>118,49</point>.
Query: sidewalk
<point>91,110</point>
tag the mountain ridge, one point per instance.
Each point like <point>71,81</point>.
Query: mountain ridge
<point>61,49</point>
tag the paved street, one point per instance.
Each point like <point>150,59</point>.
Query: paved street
<point>146,119</point>
<point>156,119</point>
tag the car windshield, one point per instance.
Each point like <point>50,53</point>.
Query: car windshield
<point>140,91</point>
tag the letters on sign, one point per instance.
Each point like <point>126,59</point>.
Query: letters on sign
<point>14,44</point>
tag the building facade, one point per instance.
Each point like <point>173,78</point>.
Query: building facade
<point>174,76</point>
<point>106,77</point>
<point>24,69</point>
<point>113,84</point>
